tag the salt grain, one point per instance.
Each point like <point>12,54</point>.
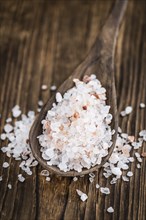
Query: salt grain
<point>48,178</point>
<point>75,179</point>
<point>58,97</point>
<point>8,128</point>
<point>1,178</point>
<point>16,112</point>
<point>21,178</point>
<point>97,186</point>
<point>138,166</point>
<point>40,103</point>
<point>53,88</point>
<point>44,87</point>
<point>5,165</point>
<point>110,210</point>
<point>82,195</point>
<point>129,173</point>
<point>125,178</point>
<point>142,105</point>
<point>104,190</point>
<point>8,120</point>
<point>9,186</point>
<point>3,136</point>
<point>128,110</point>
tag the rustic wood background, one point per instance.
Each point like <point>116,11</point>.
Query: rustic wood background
<point>41,42</point>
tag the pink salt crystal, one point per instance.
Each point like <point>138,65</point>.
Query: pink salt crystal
<point>131,138</point>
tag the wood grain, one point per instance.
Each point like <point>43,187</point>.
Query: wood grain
<point>41,42</point>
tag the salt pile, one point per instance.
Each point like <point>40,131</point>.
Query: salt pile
<point>18,146</point>
<point>76,131</point>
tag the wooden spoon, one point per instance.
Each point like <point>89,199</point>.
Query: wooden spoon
<point>99,61</point>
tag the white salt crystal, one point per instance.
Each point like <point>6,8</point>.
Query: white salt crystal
<point>44,87</point>
<point>110,209</point>
<point>4,149</point>
<point>53,88</point>
<point>129,173</point>
<point>123,113</point>
<point>16,112</point>
<point>8,128</point>
<point>48,178</point>
<point>116,171</point>
<point>125,178</point>
<point>142,105</point>
<point>105,190</point>
<point>8,120</point>
<point>58,97</point>
<point>113,181</point>
<point>3,136</point>
<point>97,186</point>
<point>82,195</point>
<point>128,110</point>
<point>137,154</point>
<point>44,173</point>
<point>139,159</point>
<point>40,103</point>
<point>1,178</point>
<point>9,186</point>
<point>75,179</point>
<point>5,165</point>
<point>91,179</point>
<point>38,109</point>
<point>143,134</point>
<point>21,178</point>
<point>138,166</point>
<point>92,175</point>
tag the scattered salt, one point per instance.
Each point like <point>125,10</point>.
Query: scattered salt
<point>9,186</point>
<point>128,110</point>
<point>21,178</point>
<point>110,210</point>
<point>142,105</point>
<point>138,166</point>
<point>129,173</point>
<point>104,190</point>
<point>44,87</point>
<point>48,178</point>
<point>82,195</point>
<point>1,178</point>
<point>97,186</point>
<point>53,88</point>
<point>8,120</point>
<point>40,103</point>
<point>75,179</point>
<point>125,178</point>
<point>5,165</point>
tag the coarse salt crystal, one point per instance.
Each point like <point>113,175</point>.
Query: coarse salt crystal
<point>110,209</point>
<point>128,110</point>
<point>142,105</point>
<point>16,112</point>
<point>40,103</point>
<point>53,88</point>
<point>123,113</point>
<point>44,87</point>
<point>1,178</point>
<point>75,179</point>
<point>138,166</point>
<point>8,128</point>
<point>58,97</point>
<point>129,173</point>
<point>125,178</point>
<point>48,178</point>
<point>82,195</point>
<point>9,186</point>
<point>3,136</point>
<point>97,186</point>
<point>5,165</point>
<point>116,171</point>
<point>21,178</point>
<point>105,190</point>
<point>8,120</point>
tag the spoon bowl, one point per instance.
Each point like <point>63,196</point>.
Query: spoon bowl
<point>99,61</point>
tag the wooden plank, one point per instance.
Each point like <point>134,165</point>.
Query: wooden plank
<point>41,42</point>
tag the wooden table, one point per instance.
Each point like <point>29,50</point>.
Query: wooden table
<point>41,42</point>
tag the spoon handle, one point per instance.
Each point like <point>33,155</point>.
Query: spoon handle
<point>104,45</point>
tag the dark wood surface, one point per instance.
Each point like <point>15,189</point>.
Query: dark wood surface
<point>41,42</point>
